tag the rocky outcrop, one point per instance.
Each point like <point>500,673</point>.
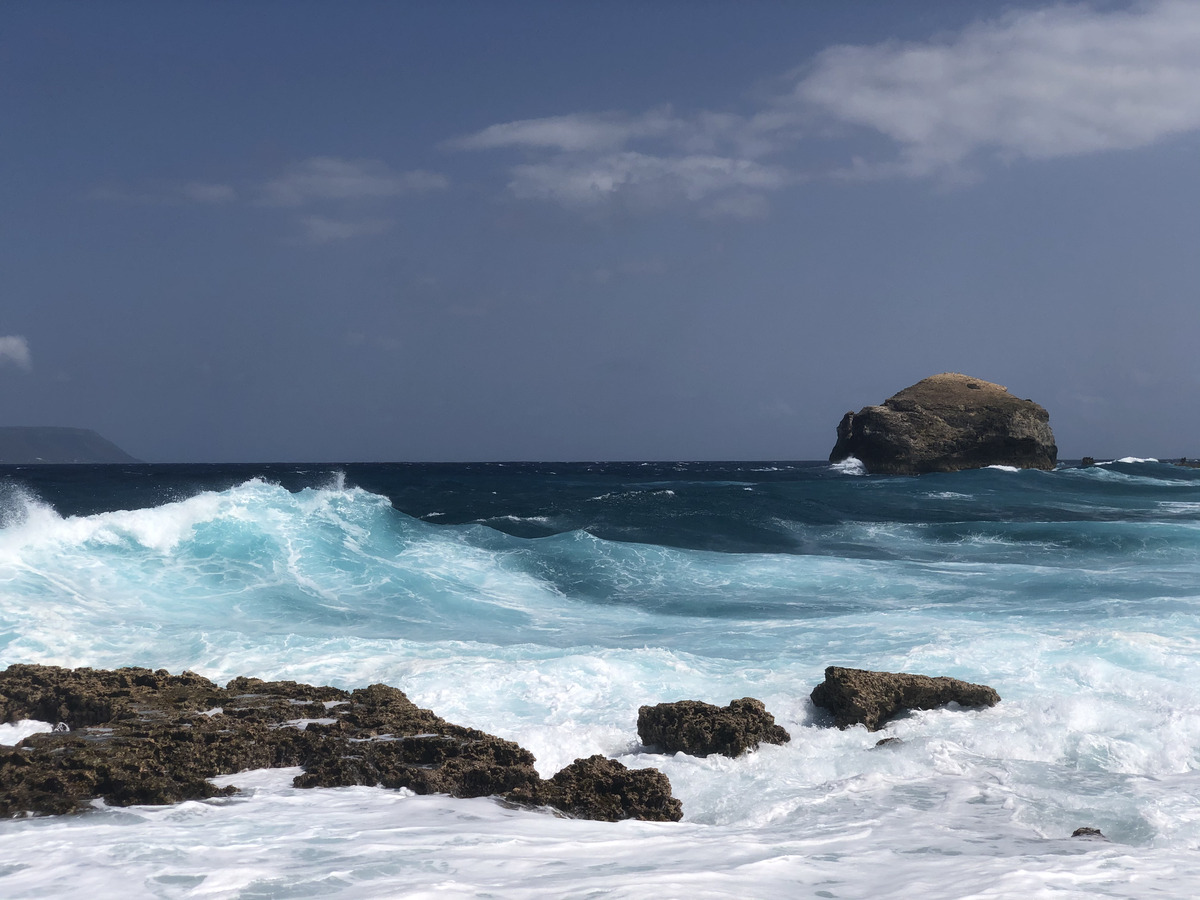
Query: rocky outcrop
<point>603,789</point>
<point>946,423</point>
<point>135,736</point>
<point>700,729</point>
<point>860,697</point>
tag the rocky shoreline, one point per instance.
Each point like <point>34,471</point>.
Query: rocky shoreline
<point>136,736</point>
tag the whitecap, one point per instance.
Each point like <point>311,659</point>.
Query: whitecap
<point>851,465</point>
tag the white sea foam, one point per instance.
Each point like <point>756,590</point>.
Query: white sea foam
<point>276,840</point>
<point>556,642</point>
<point>1005,468</point>
<point>851,465</point>
<point>14,732</point>
<point>622,495</point>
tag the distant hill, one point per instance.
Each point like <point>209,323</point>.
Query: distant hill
<point>32,445</point>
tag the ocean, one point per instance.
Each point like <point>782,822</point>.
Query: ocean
<point>546,602</point>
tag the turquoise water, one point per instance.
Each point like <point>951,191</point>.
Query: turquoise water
<point>546,603</point>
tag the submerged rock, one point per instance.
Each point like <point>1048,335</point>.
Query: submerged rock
<point>1089,833</point>
<point>700,729</point>
<point>140,736</point>
<point>861,697</point>
<point>946,423</point>
<point>601,788</point>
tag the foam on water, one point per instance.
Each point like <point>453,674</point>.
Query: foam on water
<point>1088,628</point>
<point>12,733</point>
<point>851,465</point>
<point>277,841</point>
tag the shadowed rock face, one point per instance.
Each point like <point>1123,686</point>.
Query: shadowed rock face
<point>700,729</point>
<point>946,423</point>
<point>603,789</point>
<point>140,736</point>
<point>860,697</point>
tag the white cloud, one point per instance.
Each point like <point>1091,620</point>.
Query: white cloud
<point>324,196</point>
<point>1033,84</point>
<point>1060,81</point>
<point>323,230</point>
<point>653,179</point>
<point>648,161</point>
<point>14,349</point>
<point>325,178</point>
<point>573,133</point>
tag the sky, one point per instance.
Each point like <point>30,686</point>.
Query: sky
<point>435,231</point>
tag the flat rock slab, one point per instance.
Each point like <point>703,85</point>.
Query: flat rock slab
<point>862,697</point>
<point>701,729</point>
<point>136,736</point>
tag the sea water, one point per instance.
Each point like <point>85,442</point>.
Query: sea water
<point>546,603</point>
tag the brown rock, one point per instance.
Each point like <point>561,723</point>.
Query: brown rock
<point>946,423</point>
<point>860,697</point>
<point>140,736</point>
<point>603,789</point>
<point>700,729</point>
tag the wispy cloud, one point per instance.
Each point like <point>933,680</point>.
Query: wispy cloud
<point>645,179</point>
<point>326,178</point>
<point>329,199</point>
<point>1034,84</point>
<point>1061,81</point>
<point>14,350</point>
<point>324,230</point>
<point>575,132</point>
<point>197,192</point>
<point>584,160</point>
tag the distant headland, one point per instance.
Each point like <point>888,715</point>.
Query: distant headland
<point>26,445</point>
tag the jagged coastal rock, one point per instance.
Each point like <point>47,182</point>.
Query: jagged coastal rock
<point>861,697</point>
<point>135,736</point>
<point>701,729</point>
<point>603,789</point>
<point>945,423</point>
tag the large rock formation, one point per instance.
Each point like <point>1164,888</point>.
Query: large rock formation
<point>946,423</point>
<point>134,736</point>
<point>700,729</point>
<point>860,697</point>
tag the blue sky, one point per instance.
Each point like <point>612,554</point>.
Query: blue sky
<point>670,230</point>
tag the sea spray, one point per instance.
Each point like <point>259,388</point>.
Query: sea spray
<point>546,604</point>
